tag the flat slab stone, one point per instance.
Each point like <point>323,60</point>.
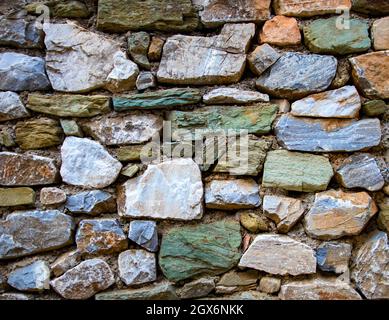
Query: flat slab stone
<point>27,232</point>
<point>327,135</point>
<point>92,202</point>
<point>52,196</point>
<point>16,196</point>
<point>34,277</point>
<point>375,8</point>
<point>309,8</point>
<point>197,288</point>
<point>276,254</point>
<point>65,262</point>
<point>145,234</point>
<point>170,190</point>
<point>137,267</point>
<point>11,107</point>
<point>234,96</point>
<point>61,8</point>
<point>336,214</point>
<point>202,249</point>
<point>296,75</point>
<point>263,57</point>
<point>340,103</point>
<point>296,171</point>
<point>198,60</point>
<point>334,256</point>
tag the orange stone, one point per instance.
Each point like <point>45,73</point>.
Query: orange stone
<point>281,31</point>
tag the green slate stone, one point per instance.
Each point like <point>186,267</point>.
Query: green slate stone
<point>374,108</point>
<point>205,249</point>
<point>296,171</point>
<point>157,99</point>
<point>16,196</point>
<point>324,36</point>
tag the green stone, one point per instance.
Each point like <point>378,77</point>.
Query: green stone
<point>130,170</point>
<point>374,108</point>
<point>296,171</point>
<point>6,138</point>
<point>130,153</point>
<point>324,36</point>
<point>197,250</point>
<point>69,105</point>
<point>16,196</point>
<point>61,8</point>
<point>157,99</point>
<point>71,128</point>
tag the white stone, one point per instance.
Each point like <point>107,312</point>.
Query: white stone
<point>11,107</point>
<point>234,96</point>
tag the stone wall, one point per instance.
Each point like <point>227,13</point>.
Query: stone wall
<point>109,108</point>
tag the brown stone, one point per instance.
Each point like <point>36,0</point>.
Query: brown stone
<point>309,8</point>
<point>155,48</point>
<point>380,33</point>
<point>52,196</point>
<point>270,284</point>
<point>281,31</point>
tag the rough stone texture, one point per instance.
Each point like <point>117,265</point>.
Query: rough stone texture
<point>296,75</point>
<point>138,45</point>
<point>31,278</point>
<point>13,296</point>
<point>360,171</point>
<point>11,107</point>
<point>232,194</point>
<point>91,202</point>
<point>380,34</point>
<point>383,217</point>
<point>170,190</point>
<point>27,232</point>
<point>236,281</point>
<point>333,256</point>
<point>191,251</point>
<point>370,74</point>
<point>65,262</point>
<point>26,170</point>
<point>340,103</point>
<point>343,74</point>
<point>155,48</point>
<point>309,8</point>
<point>234,96</point>
<point>330,135</point>
<point>197,288</point>
<point>70,128</point>
<point>296,171</point>
<point>52,196</point>
<point>376,7</point>
<point>61,9</point>
<point>263,57</point>
<point>84,280</point>
<point>6,137</point>
<point>86,163</point>
<point>100,236</point>
<point>281,31</point>
<point>145,234</point>
<point>145,81</point>
<point>137,267</point>
<point>130,170</point>
<point>336,214</point>
<point>16,196</point>
<point>374,108</point>
<point>276,254</point>
<point>206,60</point>
<point>269,284</point>
<point>253,222</point>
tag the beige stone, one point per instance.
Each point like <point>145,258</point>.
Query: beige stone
<point>380,34</point>
<point>269,284</point>
<point>309,8</point>
<point>52,196</point>
<point>281,31</point>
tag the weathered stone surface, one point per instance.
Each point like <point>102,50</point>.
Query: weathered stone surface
<point>145,234</point>
<point>331,37</point>
<point>370,74</point>
<point>232,194</point>
<point>3,284</point>
<point>330,135</point>
<point>340,103</point>
<point>19,33</point>
<point>65,262</point>
<point>137,267</point>
<point>38,133</point>
<point>206,60</point>
<point>383,217</point>
<point>284,211</point>
<point>70,128</point>
<point>80,61</point>
<point>163,15</point>
<point>197,288</point>
<point>318,289</point>
<point>16,196</point>
<point>235,281</point>
<point>333,256</point>
<point>253,222</point>
<point>11,107</point>
<point>269,284</point>
<point>91,202</point>
<point>145,80</point>
<point>100,236</point>
<point>130,170</point>
<point>131,153</point>
<point>131,129</point>
<point>360,171</point>
<point>298,8</point>
<point>27,232</point>
<point>200,249</point>
<point>155,48</point>
<point>296,75</point>
<point>283,105</point>
<point>370,269</point>
<point>85,280</point>
<point>52,196</point>
<point>234,96</point>
<point>376,7</point>
<point>6,137</point>
<point>246,295</point>
<point>19,72</point>
<point>336,214</point>
<point>296,171</point>
<point>281,31</point>
<point>13,296</point>
<point>343,74</point>
<point>31,278</point>
<point>69,105</point>
<point>157,99</point>
<point>86,163</point>
<point>26,170</point>
<point>276,254</point>
<point>170,190</point>
<point>263,57</point>
<point>61,9</point>
<point>374,108</point>
<point>138,45</point>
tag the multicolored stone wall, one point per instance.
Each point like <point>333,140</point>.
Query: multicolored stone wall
<point>104,106</point>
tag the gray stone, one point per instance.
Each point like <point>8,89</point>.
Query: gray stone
<point>262,58</point>
<point>138,46</point>
<point>145,234</point>
<point>196,289</point>
<point>91,202</point>
<point>31,278</point>
<point>65,262</point>
<point>145,81</point>
<point>269,284</point>
<point>234,96</point>
<point>333,256</point>
<point>11,107</point>
<point>19,33</point>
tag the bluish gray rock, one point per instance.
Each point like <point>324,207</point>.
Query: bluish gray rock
<point>91,202</point>
<point>11,107</point>
<point>31,278</point>
<point>145,234</point>
<point>333,256</point>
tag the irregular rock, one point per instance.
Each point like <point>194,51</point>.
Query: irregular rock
<point>85,280</point>
<point>283,105</point>
<point>145,234</point>
<point>6,137</point>
<point>383,217</point>
<point>269,284</point>
<point>340,103</point>
<point>19,72</point>
<point>69,105</point>
<point>310,8</point>
<point>336,214</point>
<point>80,61</point>
<point>11,107</point>
<point>376,7</point>
<point>70,128</point>
<point>235,281</point>
<point>52,196</point>
<point>296,171</point>
<point>16,197</point>
<point>34,277</point>
<point>65,262</point>
<point>26,170</point>
<point>86,163</point>
<point>263,57</point>
<point>91,202</point>
<point>155,48</point>
<point>281,31</point>
<point>276,254</point>
<point>130,170</point>
<point>192,251</point>
<point>374,108</point>
<point>343,74</point>
<point>137,267</point>
<point>253,221</point>
<point>369,73</point>
<point>138,45</point>
<point>3,284</point>
<point>61,9</point>
<point>197,60</point>
<point>284,211</point>
<point>333,256</point>
<point>197,288</point>
<point>131,153</point>
<point>360,171</point>
<point>100,236</point>
<point>19,33</point>
<point>145,81</point>
<point>234,96</point>
<point>328,36</point>
<point>330,135</point>
<point>246,295</point>
<point>27,232</point>
<point>296,75</point>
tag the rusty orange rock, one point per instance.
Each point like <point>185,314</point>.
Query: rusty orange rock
<point>281,31</point>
